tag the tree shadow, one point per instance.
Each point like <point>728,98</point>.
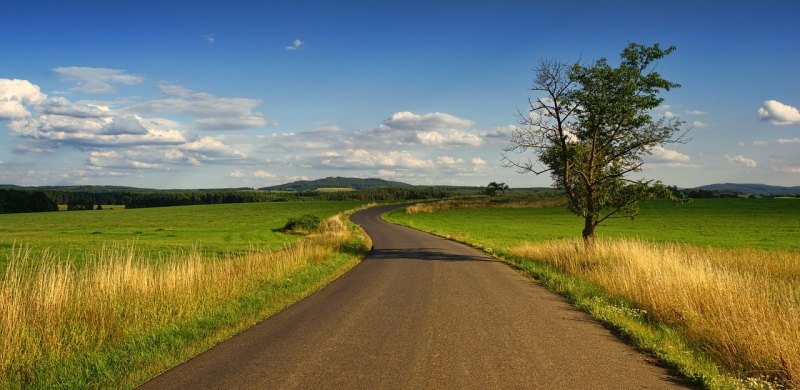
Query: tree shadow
<point>422,254</point>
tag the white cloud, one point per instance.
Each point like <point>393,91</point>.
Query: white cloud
<point>661,154</point>
<point>215,113</point>
<point>447,160</point>
<point>15,95</point>
<point>741,160</point>
<point>669,114</point>
<point>262,174</point>
<point>785,141</point>
<point>236,174</point>
<point>96,80</point>
<point>786,168</point>
<point>211,147</point>
<point>362,158</point>
<point>116,161</point>
<point>760,143</point>
<point>667,158</point>
<point>696,112</point>
<point>699,124</point>
<point>432,121</point>
<point>448,138</point>
<point>209,38</point>
<point>295,45</point>
<point>478,161</point>
<point>778,113</point>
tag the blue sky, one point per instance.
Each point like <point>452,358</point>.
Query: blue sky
<point>230,94</point>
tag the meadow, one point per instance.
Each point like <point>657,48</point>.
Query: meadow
<point>732,223</point>
<point>116,313</point>
<point>214,230</point>
<point>710,287</point>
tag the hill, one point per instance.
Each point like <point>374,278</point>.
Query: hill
<point>337,182</point>
<point>749,189</point>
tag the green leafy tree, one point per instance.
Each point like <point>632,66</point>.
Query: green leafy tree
<point>493,188</point>
<point>590,129</point>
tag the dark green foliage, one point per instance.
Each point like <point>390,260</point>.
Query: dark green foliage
<point>591,129</point>
<point>21,201</point>
<point>306,222</point>
<point>493,188</point>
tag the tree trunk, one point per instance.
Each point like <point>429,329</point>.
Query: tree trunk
<point>588,230</point>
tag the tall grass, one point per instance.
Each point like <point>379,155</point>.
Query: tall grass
<point>52,311</point>
<point>485,202</point>
<point>742,306</point>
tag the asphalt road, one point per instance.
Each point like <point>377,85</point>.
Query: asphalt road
<point>422,312</point>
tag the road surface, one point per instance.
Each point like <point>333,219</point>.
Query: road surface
<point>422,312</point>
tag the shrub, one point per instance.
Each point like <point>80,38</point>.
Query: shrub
<point>306,222</point>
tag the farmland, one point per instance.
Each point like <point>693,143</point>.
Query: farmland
<point>100,299</point>
<point>709,287</point>
<point>212,229</point>
<point>732,223</point>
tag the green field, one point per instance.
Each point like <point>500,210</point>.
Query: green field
<point>213,229</point>
<point>739,222</point>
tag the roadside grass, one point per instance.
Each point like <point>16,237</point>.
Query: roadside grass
<point>121,318</point>
<point>213,230</point>
<point>724,316</point>
<point>732,223</point>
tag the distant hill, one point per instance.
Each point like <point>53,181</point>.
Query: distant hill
<point>336,182</point>
<point>750,189</point>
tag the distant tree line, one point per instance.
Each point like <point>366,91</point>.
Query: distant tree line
<point>385,194</point>
<point>20,201</point>
<point>185,198</point>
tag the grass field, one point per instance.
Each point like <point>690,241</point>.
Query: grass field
<point>213,229</point>
<point>710,287</point>
<point>733,223</point>
<point>122,315</point>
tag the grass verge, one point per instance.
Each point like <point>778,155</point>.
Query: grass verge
<point>124,319</point>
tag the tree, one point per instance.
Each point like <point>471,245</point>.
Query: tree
<point>493,188</point>
<point>591,128</point>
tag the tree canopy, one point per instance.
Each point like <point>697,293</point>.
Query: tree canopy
<point>590,128</point>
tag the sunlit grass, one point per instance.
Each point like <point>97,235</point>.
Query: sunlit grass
<point>55,314</point>
<point>741,306</point>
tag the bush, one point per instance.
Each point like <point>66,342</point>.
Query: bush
<point>306,222</point>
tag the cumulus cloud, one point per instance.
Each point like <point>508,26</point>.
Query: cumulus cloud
<point>295,45</point>
<point>447,160</point>
<point>210,148</point>
<point>214,113</point>
<point>15,95</point>
<point>96,80</point>
<point>778,114</point>
<point>237,174</point>
<point>786,168</point>
<point>786,141</point>
<point>699,124</point>
<point>661,157</point>
<point>448,138</point>
<point>362,158</point>
<point>478,161</point>
<point>662,154</point>
<point>696,112</point>
<point>438,130</point>
<point>740,160</point>
<point>432,121</point>
<point>115,160</point>
<point>262,174</point>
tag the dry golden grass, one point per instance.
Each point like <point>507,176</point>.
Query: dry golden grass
<point>484,202</point>
<point>54,311</point>
<point>741,305</point>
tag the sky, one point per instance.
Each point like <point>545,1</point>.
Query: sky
<point>249,94</point>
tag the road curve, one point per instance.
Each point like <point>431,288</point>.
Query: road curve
<point>422,312</point>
